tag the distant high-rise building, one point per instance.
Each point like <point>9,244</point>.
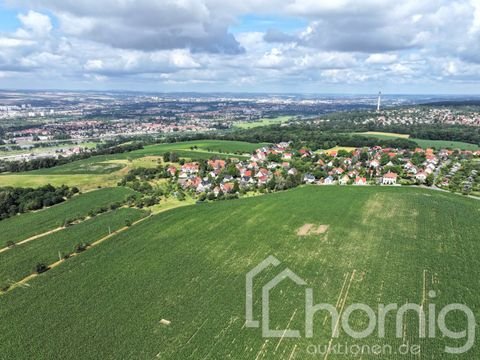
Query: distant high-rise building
<point>379,102</point>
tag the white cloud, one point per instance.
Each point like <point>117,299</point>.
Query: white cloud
<point>34,25</point>
<point>190,42</point>
<point>381,58</point>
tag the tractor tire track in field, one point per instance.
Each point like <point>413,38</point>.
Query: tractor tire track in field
<point>343,300</point>
<point>25,280</point>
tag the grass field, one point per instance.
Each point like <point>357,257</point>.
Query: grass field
<point>89,145</point>
<point>384,135</point>
<point>205,149</point>
<point>24,226</point>
<point>437,144</point>
<point>106,170</point>
<point>441,144</point>
<point>82,181</point>
<point>263,122</point>
<point>337,148</point>
<point>19,262</point>
<point>188,266</point>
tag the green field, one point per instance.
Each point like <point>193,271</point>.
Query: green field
<point>19,262</point>
<point>82,181</point>
<point>437,144</point>
<point>188,266</point>
<point>263,122</point>
<point>24,226</point>
<point>106,170</point>
<point>441,144</point>
<point>205,149</point>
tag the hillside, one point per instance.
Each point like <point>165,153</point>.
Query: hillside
<point>188,266</point>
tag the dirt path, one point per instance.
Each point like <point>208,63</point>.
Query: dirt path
<point>25,280</point>
<point>32,238</point>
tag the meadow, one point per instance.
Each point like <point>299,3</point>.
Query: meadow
<point>263,122</point>
<point>24,226</point>
<point>20,261</point>
<point>188,266</point>
<point>436,144</point>
<point>107,170</point>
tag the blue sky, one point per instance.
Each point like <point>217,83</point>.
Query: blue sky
<point>339,46</point>
<point>262,23</point>
<point>8,18</point>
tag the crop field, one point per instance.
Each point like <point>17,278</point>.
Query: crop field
<point>19,261</point>
<point>24,226</point>
<point>106,170</point>
<point>384,135</point>
<point>338,148</point>
<point>84,182</point>
<point>263,122</point>
<point>442,144</point>
<point>173,286</point>
<point>437,144</point>
<point>202,149</point>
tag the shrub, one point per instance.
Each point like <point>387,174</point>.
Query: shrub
<point>81,247</point>
<point>40,268</point>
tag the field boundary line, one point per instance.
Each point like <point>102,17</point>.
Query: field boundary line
<point>53,231</point>
<point>32,238</point>
<point>59,262</point>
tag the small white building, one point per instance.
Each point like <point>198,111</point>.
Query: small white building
<point>390,178</point>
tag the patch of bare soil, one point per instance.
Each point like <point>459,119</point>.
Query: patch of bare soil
<point>304,230</point>
<point>321,229</point>
<point>311,229</point>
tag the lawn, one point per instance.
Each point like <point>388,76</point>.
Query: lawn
<point>263,122</point>
<point>188,266</point>
<point>24,226</point>
<point>20,261</point>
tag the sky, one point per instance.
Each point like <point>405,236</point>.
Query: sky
<point>275,46</point>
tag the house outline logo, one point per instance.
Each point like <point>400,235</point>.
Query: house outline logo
<point>285,274</point>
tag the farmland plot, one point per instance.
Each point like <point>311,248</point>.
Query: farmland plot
<point>173,286</point>
<point>24,226</point>
<point>20,261</point>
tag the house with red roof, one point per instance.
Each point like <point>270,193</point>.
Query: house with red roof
<point>390,178</point>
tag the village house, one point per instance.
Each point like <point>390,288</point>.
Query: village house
<point>344,180</point>
<point>190,168</point>
<point>360,181</point>
<point>421,176</point>
<point>390,178</point>
<point>328,181</point>
<point>309,179</point>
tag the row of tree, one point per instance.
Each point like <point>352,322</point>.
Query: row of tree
<point>44,163</point>
<point>20,200</point>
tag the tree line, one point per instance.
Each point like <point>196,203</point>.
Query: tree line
<point>44,163</point>
<point>15,200</point>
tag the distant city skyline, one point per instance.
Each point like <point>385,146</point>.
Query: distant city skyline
<point>273,46</point>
